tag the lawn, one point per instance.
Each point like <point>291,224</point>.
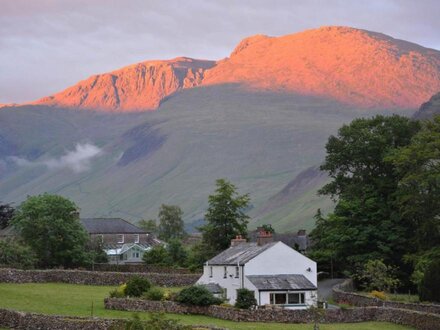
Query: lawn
<point>77,300</point>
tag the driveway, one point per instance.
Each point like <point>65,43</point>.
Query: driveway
<point>325,287</point>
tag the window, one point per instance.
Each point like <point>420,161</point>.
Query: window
<point>135,254</point>
<point>210,271</point>
<point>297,298</point>
<point>237,272</point>
<point>225,274</point>
<point>120,238</point>
<point>101,238</point>
<point>136,238</point>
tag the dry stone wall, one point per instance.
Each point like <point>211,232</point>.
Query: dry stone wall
<point>340,295</point>
<point>8,275</point>
<point>418,320</point>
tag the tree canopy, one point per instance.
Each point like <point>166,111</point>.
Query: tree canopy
<point>170,222</point>
<point>50,225</point>
<point>367,223</point>
<point>225,217</point>
<point>6,215</point>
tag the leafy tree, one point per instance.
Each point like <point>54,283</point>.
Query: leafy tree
<point>366,223</point>
<point>157,255</point>
<point>96,251</point>
<point>176,253</point>
<point>225,218</point>
<point>16,255</point>
<point>50,225</point>
<point>429,289</point>
<point>419,188</point>
<point>375,275</point>
<point>170,222</point>
<point>149,226</point>
<point>245,299</point>
<point>6,215</point>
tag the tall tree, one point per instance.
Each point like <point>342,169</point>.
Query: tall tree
<point>225,217</point>
<point>149,226</point>
<point>50,225</point>
<point>6,215</point>
<point>366,223</point>
<point>419,188</point>
<point>170,222</point>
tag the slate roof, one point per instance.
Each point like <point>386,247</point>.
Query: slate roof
<point>239,254</point>
<point>281,282</point>
<point>214,288</point>
<point>110,226</point>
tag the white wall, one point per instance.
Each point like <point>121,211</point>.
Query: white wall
<point>282,259</point>
<point>230,283</point>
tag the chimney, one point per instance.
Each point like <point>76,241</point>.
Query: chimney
<point>301,232</point>
<point>237,240</point>
<point>264,237</point>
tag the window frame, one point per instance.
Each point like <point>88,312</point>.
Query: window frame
<point>301,298</point>
<point>237,272</point>
<point>120,238</point>
<point>225,272</point>
<point>136,238</point>
<point>210,271</point>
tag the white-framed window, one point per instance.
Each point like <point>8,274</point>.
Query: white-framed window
<point>237,272</point>
<point>225,272</point>
<point>287,298</point>
<point>120,238</point>
<point>135,254</point>
<point>101,238</point>
<point>210,271</point>
<point>136,238</point>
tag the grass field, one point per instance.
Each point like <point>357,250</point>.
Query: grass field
<point>77,300</point>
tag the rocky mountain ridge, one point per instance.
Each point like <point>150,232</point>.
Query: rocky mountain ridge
<point>355,67</point>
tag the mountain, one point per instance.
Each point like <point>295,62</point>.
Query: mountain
<point>141,86</point>
<point>355,67</point>
<point>429,109</point>
<point>260,118</point>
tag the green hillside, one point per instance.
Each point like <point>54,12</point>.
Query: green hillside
<point>259,141</point>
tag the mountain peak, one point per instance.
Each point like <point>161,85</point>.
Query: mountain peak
<point>353,66</point>
<point>140,86</point>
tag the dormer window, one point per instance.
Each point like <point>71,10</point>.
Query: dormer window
<point>120,238</point>
<point>136,238</point>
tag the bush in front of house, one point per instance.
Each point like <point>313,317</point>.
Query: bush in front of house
<point>197,295</point>
<point>154,293</point>
<point>136,286</point>
<point>245,299</point>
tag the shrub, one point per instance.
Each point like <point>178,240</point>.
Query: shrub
<point>154,293</point>
<point>136,286</point>
<point>197,295</point>
<point>378,294</point>
<point>16,255</point>
<point>119,292</point>
<point>429,289</point>
<point>245,299</point>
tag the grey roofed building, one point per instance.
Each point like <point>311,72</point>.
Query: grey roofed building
<point>281,282</point>
<point>110,226</point>
<point>239,254</point>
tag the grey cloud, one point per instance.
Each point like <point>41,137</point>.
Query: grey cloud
<point>47,45</point>
<point>77,160</point>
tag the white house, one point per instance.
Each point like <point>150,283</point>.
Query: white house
<point>276,273</point>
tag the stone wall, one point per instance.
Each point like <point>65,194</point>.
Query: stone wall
<point>8,275</point>
<point>418,320</point>
<point>32,321</point>
<point>140,268</point>
<point>21,320</point>
<point>341,296</point>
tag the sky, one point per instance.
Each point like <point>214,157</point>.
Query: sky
<point>48,45</point>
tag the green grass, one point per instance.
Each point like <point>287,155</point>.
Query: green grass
<point>77,300</point>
